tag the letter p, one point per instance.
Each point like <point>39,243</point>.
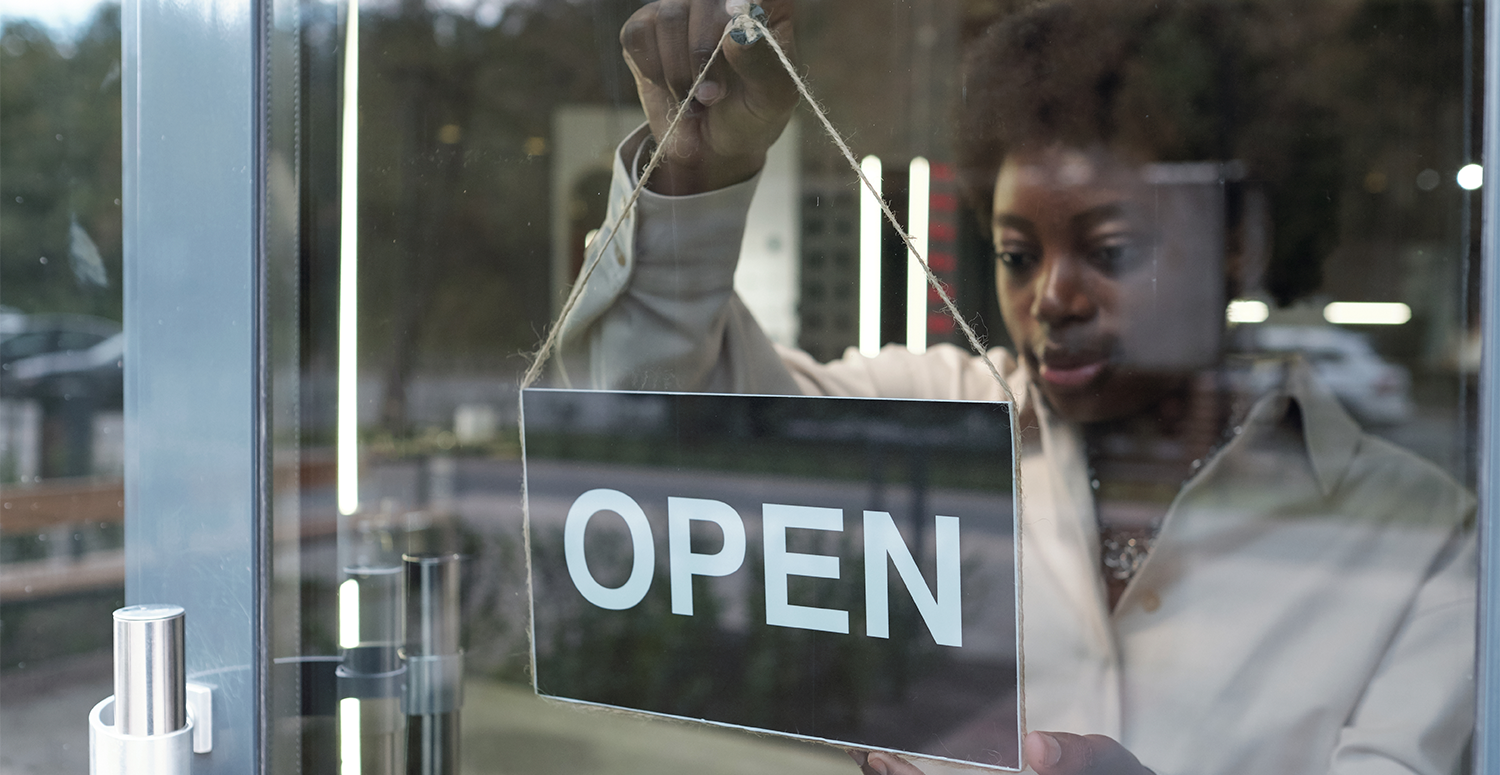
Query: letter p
<point>683,563</point>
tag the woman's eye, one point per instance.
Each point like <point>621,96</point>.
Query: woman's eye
<point>1017,259</point>
<point>1116,257</point>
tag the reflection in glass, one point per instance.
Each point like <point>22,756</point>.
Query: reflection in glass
<point>62,452</point>
<point>751,585</point>
<point>487,141</point>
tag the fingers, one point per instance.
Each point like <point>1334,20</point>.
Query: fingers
<point>706,29</point>
<point>1059,753</point>
<point>760,71</point>
<point>638,39</point>
<point>667,44</point>
<point>673,41</point>
<point>878,763</point>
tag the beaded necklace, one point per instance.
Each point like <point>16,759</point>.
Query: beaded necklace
<point>1135,472</point>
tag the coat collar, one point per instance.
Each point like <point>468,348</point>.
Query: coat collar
<point>1330,434</point>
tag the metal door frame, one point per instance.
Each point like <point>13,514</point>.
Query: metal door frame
<point>195,85</point>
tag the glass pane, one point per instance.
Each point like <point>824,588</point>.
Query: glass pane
<point>62,454</point>
<point>1222,255</point>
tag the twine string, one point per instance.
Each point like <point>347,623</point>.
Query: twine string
<point>550,342</point>
<point>973,339</point>
<point>885,207</point>
<point>539,360</point>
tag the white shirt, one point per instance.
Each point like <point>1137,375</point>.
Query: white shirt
<point>1307,607</point>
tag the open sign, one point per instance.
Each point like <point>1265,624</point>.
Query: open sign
<point>839,570</point>
<point>940,611</point>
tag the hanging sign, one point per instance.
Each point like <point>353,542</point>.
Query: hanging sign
<point>840,570</point>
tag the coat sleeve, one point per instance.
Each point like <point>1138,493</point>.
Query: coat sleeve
<point>659,312</point>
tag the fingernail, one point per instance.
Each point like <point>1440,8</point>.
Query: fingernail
<point>876,763</point>
<point>709,92</point>
<point>1051,752</point>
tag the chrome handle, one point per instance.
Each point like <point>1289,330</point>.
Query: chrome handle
<point>432,605</point>
<point>156,720</point>
<point>150,674</point>
<point>434,664</point>
<point>434,660</point>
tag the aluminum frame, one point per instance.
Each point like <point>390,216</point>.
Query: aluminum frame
<point>194,101</point>
<point>1486,754</point>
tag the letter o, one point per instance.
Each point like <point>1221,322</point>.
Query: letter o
<point>634,589</point>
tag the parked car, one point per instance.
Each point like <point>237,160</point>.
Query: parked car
<point>1374,390</point>
<point>95,374</point>
<point>25,335</point>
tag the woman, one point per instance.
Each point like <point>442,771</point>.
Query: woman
<point>1216,579</point>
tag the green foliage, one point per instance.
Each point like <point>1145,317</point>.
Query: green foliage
<point>60,165</point>
<point>456,133</point>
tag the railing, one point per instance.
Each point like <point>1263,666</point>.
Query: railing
<point>53,511</point>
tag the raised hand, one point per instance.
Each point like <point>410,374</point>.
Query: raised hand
<point>740,108</point>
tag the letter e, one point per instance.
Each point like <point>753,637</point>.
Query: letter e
<point>781,563</point>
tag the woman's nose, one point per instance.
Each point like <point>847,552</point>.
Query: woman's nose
<point>1062,294</point>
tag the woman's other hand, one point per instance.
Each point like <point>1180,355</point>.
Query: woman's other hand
<point>1047,753</point>
<point>880,763</point>
<point>1059,753</point>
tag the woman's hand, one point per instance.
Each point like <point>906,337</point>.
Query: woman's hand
<point>1047,753</point>
<point>1059,753</point>
<point>740,108</point>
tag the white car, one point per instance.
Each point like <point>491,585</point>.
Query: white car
<point>25,335</point>
<point>1374,390</point>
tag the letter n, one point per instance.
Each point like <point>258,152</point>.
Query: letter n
<point>942,612</point>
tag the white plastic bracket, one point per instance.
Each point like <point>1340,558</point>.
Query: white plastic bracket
<point>200,708</point>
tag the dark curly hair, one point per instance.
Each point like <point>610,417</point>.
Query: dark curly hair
<point>1172,80</point>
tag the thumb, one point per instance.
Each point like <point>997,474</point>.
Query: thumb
<point>883,764</point>
<point>1059,753</point>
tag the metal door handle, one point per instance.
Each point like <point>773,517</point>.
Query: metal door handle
<point>434,664</point>
<point>156,720</point>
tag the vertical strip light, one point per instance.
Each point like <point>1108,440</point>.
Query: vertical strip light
<point>918,220</point>
<point>349,614</point>
<point>869,259</point>
<point>349,758</point>
<point>348,380</point>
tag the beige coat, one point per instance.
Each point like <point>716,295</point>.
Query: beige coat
<point>1308,606</point>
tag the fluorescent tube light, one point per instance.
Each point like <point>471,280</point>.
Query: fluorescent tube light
<point>347,433</point>
<point>869,259</point>
<point>1247,311</point>
<point>1367,313</point>
<point>918,221</point>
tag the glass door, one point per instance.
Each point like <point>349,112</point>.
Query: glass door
<point>272,275</point>
<point>62,421</point>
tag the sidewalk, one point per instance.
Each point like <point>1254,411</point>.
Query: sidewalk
<point>506,731</point>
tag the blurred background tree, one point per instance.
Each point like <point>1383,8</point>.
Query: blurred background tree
<point>60,214</point>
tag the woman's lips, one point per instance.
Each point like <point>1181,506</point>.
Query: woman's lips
<point>1071,375</point>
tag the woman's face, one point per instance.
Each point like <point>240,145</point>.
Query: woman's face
<point>1072,241</point>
